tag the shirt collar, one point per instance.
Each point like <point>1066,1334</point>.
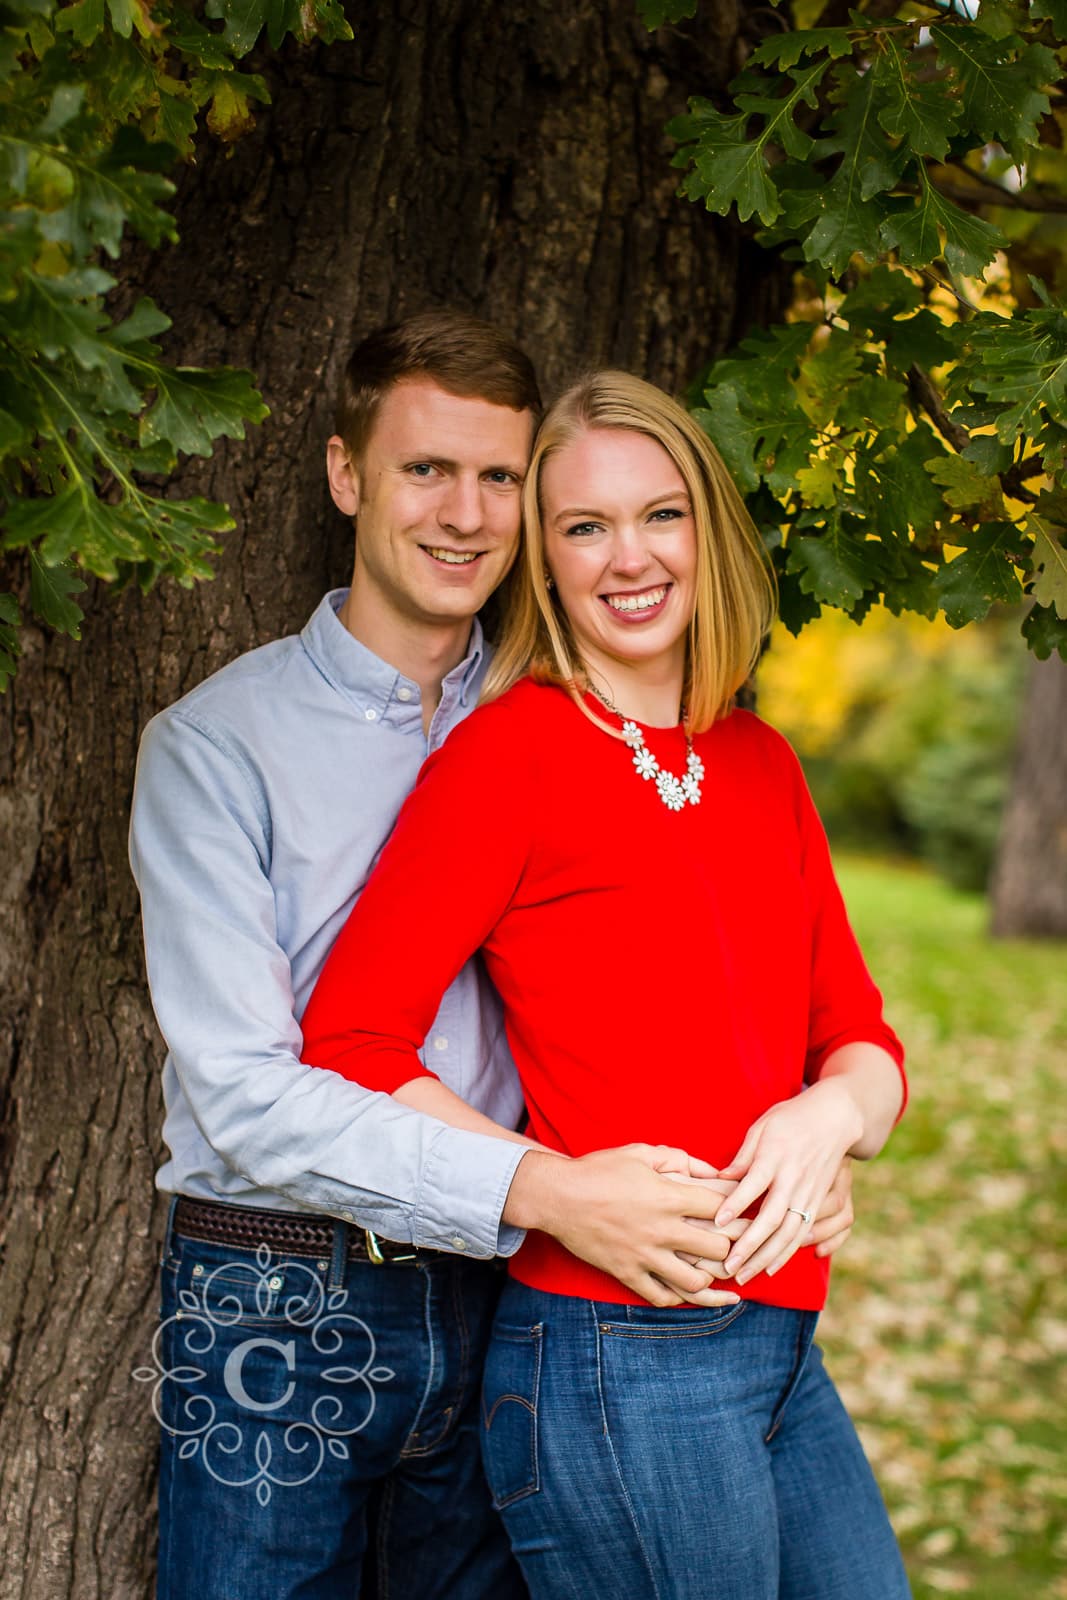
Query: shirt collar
<point>371,683</point>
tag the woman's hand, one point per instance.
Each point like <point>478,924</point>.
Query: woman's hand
<point>791,1156</point>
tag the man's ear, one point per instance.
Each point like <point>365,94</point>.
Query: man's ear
<point>343,477</point>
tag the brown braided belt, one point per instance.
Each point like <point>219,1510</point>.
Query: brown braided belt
<point>287,1233</point>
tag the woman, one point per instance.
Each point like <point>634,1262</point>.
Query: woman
<point>645,874</point>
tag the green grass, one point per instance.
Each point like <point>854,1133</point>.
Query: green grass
<point>947,1324</point>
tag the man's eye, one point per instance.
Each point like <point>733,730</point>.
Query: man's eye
<point>421,469</point>
<point>502,476</point>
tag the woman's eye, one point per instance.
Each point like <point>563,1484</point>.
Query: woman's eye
<point>581,528</point>
<point>665,514</point>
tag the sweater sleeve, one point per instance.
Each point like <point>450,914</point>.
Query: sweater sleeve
<point>443,881</point>
<point>846,1005</point>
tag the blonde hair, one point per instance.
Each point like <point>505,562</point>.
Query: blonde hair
<point>735,589</point>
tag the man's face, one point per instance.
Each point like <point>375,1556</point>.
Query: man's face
<point>436,498</point>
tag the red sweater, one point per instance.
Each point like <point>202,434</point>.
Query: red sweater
<point>666,976</point>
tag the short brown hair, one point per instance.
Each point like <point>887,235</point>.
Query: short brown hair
<point>735,591</point>
<point>460,353</point>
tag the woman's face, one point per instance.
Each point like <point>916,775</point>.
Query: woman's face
<point>620,542</point>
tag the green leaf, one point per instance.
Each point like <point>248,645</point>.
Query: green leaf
<point>985,572</point>
<point>824,375</point>
<point>1021,363</point>
<point>122,16</point>
<point>245,20</point>
<point>736,437</point>
<point>916,108</point>
<point>73,523</point>
<point>189,36</point>
<point>64,106</point>
<point>728,168</point>
<point>969,243</point>
<point>1001,91</point>
<point>194,406</point>
<point>1044,632</point>
<point>655,13</point>
<point>9,638</point>
<point>831,566</point>
<point>1054,11</point>
<point>999,18</point>
<point>852,213</point>
<point>820,482</point>
<point>84,21</point>
<point>51,588</point>
<point>965,486</point>
<point>988,454</point>
<point>14,434</point>
<point>1050,566</point>
<point>784,50</point>
<point>893,485</point>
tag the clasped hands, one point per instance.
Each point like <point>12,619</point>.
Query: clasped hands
<point>741,1248</point>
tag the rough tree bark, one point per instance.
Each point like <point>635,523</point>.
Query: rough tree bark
<point>508,159</point>
<point>1029,884</point>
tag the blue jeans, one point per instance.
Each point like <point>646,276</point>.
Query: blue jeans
<point>678,1455</point>
<point>294,1393</point>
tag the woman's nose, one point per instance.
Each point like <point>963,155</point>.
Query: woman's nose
<point>629,554</point>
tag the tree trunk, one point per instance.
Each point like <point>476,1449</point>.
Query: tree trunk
<point>508,159</point>
<point>1029,885</point>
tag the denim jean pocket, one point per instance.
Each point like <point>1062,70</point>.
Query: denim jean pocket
<point>675,1322</point>
<point>510,1390</point>
<point>234,1288</point>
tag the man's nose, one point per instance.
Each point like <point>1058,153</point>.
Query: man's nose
<point>461,509</point>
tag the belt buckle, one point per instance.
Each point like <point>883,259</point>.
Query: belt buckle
<point>374,1250</point>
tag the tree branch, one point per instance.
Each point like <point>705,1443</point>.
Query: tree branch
<point>926,394</point>
<point>978,188</point>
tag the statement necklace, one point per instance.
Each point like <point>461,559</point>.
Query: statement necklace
<point>674,792</point>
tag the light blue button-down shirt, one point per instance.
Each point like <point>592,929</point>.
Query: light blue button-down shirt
<point>261,803</point>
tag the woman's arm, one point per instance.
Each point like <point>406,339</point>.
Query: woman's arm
<point>854,1072</point>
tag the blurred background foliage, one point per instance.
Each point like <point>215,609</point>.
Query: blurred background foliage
<point>906,730</point>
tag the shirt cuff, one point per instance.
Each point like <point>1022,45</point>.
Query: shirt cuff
<point>464,1186</point>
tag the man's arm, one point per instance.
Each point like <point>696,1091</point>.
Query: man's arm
<point>222,991</point>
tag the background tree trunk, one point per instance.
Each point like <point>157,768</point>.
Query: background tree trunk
<point>1029,884</point>
<point>508,159</point>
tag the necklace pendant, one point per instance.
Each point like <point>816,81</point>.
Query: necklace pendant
<point>676,793</point>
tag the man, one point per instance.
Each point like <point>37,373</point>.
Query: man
<point>328,1276</point>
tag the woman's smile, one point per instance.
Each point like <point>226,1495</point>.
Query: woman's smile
<point>620,544</point>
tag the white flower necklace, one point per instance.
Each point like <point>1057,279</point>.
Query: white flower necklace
<point>674,792</point>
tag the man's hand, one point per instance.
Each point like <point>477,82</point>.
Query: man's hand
<point>642,1213</point>
<point>834,1222</point>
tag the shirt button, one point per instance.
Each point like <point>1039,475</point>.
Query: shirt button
<point>458,1243</point>
<point>370,714</point>
<point>440,1042</point>
<point>403,694</point>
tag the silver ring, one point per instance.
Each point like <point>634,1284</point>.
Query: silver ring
<point>797,1212</point>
